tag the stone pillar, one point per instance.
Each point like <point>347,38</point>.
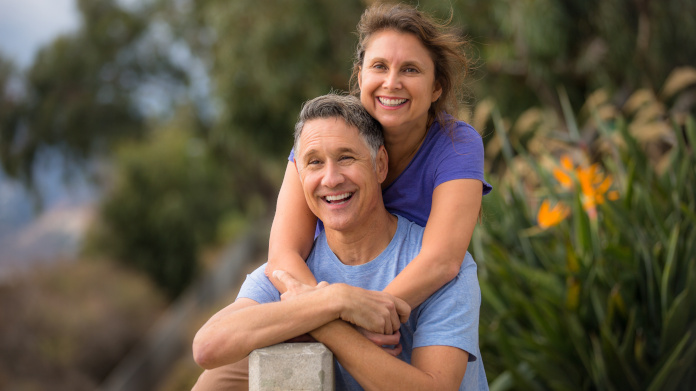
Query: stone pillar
<point>291,366</point>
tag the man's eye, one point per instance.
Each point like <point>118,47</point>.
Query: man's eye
<point>312,162</point>
<point>344,158</point>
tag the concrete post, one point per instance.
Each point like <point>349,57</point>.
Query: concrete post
<point>291,366</point>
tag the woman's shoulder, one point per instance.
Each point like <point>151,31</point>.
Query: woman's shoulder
<point>457,128</point>
<point>455,134</point>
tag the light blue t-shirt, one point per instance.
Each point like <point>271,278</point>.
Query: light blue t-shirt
<point>450,317</point>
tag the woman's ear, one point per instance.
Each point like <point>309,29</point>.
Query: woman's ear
<point>437,91</point>
<point>381,164</point>
<point>360,77</point>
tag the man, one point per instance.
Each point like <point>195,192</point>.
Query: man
<point>342,162</point>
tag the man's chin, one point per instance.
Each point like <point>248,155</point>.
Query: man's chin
<point>337,224</point>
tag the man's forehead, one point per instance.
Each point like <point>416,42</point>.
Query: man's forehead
<point>319,129</point>
<point>327,124</point>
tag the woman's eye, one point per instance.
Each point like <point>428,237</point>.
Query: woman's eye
<point>411,70</point>
<point>379,66</point>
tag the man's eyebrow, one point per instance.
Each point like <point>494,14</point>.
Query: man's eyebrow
<point>346,149</point>
<point>308,153</point>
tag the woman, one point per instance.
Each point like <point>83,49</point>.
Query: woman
<point>406,71</point>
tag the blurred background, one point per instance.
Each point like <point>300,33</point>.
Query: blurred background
<point>142,145</point>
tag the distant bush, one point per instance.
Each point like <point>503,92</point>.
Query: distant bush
<point>66,326</point>
<point>588,262</point>
<point>167,199</point>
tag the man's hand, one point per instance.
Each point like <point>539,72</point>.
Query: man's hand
<point>384,341</point>
<point>374,311</point>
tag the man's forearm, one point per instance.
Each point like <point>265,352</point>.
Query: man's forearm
<point>237,330</point>
<point>374,369</point>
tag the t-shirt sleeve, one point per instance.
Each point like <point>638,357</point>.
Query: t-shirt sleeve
<point>450,317</point>
<point>291,158</point>
<point>258,287</point>
<point>461,156</point>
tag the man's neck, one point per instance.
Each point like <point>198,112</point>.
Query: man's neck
<point>363,244</point>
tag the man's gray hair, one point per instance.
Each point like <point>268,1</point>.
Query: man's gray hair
<point>345,107</point>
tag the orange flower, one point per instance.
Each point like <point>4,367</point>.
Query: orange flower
<point>548,217</point>
<point>593,184</point>
<point>562,175</point>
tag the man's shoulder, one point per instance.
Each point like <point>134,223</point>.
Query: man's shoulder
<point>409,231</point>
<point>258,287</point>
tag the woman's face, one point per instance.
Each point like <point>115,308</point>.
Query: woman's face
<point>397,81</point>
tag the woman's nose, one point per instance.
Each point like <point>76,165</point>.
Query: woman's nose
<point>392,80</point>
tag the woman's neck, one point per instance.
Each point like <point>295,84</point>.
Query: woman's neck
<point>401,147</point>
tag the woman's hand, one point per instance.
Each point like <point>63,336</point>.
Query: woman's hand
<point>295,287</point>
<point>375,311</point>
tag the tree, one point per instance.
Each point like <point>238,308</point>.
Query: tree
<point>83,92</point>
<point>269,57</point>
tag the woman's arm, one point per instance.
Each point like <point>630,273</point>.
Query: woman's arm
<point>453,216</point>
<point>292,232</point>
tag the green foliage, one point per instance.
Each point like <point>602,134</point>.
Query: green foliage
<point>271,56</point>
<point>528,48</point>
<point>168,197</point>
<point>605,301</point>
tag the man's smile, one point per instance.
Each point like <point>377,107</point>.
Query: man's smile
<point>338,198</point>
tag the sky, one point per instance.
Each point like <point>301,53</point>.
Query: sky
<point>26,25</point>
<point>26,237</point>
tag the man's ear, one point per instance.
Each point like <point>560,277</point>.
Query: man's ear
<point>297,168</point>
<point>382,164</point>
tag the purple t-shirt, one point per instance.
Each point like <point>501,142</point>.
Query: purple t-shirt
<point>442,157</point>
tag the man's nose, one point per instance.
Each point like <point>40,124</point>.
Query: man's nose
<point>332,175</point>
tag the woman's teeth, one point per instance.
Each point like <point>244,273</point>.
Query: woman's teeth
<point>391,102</point>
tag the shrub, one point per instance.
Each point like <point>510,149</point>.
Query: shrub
<point>593,293</point>
<point>65,326</point>
<point>167,200</point>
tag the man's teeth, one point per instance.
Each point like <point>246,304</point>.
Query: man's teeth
<point>339,197</point>
<point>391,102</point>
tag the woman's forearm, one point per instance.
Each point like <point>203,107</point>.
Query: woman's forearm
<point>424,276</point>
<point>292,232</point>
<point>453,216</point>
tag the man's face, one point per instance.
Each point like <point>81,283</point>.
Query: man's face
<point>340,182</point>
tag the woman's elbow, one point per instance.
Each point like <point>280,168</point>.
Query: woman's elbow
<point>451,270</point>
